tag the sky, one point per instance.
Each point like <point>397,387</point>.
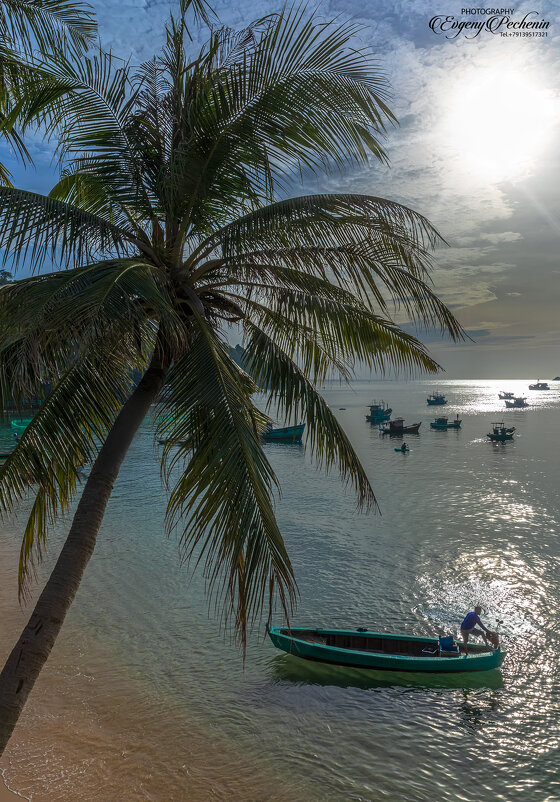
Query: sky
<point>477,151</point>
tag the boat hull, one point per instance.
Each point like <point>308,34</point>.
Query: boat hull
<point>454,425</point>
<point>432,402</point>
<point>379,418</point>
<point>289,434</point>
<point>402,430</point>
<point>21,424</point>
<point>301,644</point>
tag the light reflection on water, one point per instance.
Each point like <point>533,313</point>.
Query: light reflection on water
<point>145,695</point>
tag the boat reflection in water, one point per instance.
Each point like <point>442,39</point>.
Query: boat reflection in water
<point>287,668</point>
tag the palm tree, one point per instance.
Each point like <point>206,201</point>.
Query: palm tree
<point>170,230</point>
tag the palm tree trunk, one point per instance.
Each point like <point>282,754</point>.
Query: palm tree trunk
<point>37,639</point>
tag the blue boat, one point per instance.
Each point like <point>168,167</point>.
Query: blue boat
<point>360,648</point>
<point>379,412</point>
<point>287,434</point>
<point>500,433</point>
<point>443,423</point>
<point>436,399</point>
<point>20,425</point>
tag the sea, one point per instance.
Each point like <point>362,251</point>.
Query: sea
<point>146,698</point>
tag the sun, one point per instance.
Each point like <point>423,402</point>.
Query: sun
<point>499,122</point>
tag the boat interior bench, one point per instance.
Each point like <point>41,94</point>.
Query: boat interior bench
<point>363,643</point>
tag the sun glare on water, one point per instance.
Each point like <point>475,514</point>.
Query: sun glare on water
<point>499,122</point>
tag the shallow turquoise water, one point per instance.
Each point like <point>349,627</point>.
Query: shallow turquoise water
<point>173,714</point>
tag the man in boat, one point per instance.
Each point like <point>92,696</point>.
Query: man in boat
<point>468,627</point>
<point>404,447</point>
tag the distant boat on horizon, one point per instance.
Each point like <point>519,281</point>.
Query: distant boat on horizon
<point>539,386</point>
<point>436,399</point>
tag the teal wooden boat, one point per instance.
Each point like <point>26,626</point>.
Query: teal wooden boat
<point>501,433</point>
<point>287,434</point>
<point>360,648</point>
<point>443,423</point>
<point>402,450</point>
<point>436,399</point>
<point>378,412</point>
<point>20,425</point>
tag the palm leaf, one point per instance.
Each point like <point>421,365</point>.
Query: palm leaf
<point>297,399</point>
<point>47,24</point>
<point>34,227</point>
<point>66,432</point>
<point>223,498</point>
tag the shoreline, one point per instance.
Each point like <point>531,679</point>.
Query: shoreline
<point>6,795</point>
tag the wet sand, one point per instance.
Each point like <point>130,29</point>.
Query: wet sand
<point>93,728</point>
<point>8,796</point>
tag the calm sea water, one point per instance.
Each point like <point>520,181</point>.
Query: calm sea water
<point>143,697</point>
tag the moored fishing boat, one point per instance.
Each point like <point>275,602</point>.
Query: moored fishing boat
<point>378,412</point>
<point>436,399</point>
<point>516,403</point>
<point>21,424</point>
<point>500,433</point>
<point>539,385</point>
<point>360,648</point>
<point>443,423</point>
<point>503,395</point>
<point>397,427</point>
<point>286,434</point>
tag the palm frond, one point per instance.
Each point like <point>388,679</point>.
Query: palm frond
<point>64,434</point>
<point>35,227</point>
<point>297,399</point>
<point>48,321</point>
<point>48,25</point>
<point>223,498</point>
